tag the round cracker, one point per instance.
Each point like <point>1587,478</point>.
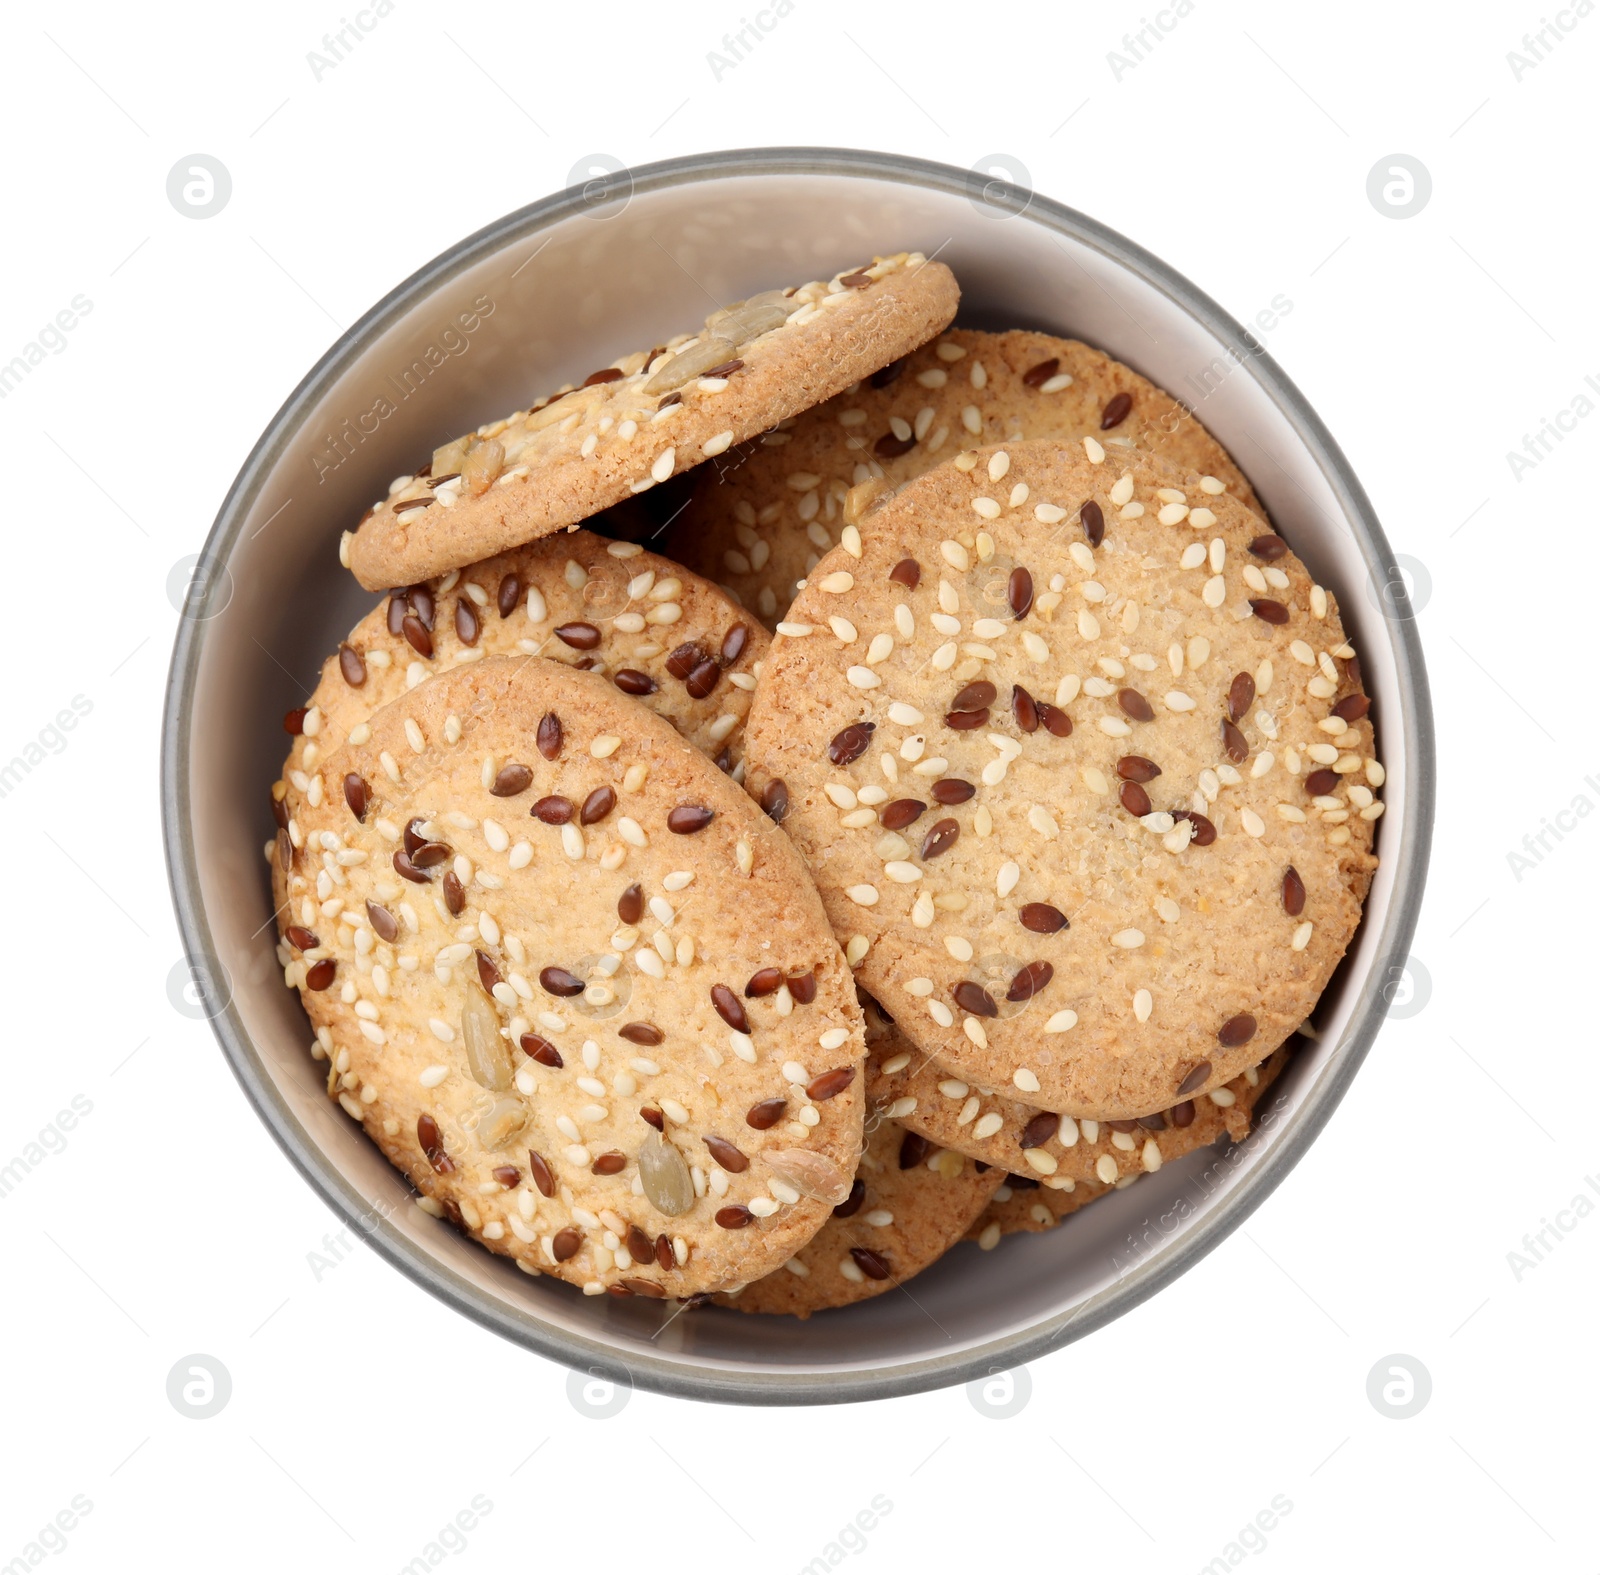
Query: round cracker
<point>948,915</point>
<point>1021,1204</point>
<point>639,421</point>
<point>1010,1135</point>
<point>397,973</point>
<point>755,530</point>
<point>605,606</point>
<point>910,1203</point>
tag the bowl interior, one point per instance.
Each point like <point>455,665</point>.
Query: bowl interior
<point>543,298</point>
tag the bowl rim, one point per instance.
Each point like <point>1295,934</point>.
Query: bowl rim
<point>684,1377</point>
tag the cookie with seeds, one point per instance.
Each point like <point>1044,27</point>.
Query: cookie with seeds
<point>653,629</point>
<point>762,516</point>
<point>1080,761</point>
<point>909,1203</point>
<point>575,985</point>
<point>1004,1132</point>
<point>1021,1204</point>
<point>637,422</point>
<point>1037,1199</point>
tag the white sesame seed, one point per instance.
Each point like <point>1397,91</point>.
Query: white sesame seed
<point>863,678</point>
<point>863,896</point>
<point>1253,824</point>
<point>958,558</point>
<point>941,1014</point>
<point>1215,591</point>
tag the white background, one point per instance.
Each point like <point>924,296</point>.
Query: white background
<point>363,1415</point>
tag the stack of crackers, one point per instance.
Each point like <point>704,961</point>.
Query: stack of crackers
<point>953,820</point>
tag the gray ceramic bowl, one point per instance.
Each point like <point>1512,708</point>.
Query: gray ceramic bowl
<point>550,292</point>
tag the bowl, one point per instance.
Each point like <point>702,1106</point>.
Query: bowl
<point>539,298</point>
